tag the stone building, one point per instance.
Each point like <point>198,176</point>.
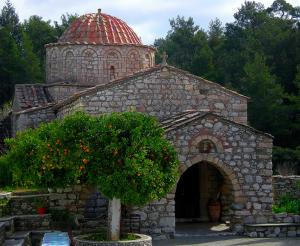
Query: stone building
<point>99,65</point>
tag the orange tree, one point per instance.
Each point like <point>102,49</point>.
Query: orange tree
<point>124,154</point>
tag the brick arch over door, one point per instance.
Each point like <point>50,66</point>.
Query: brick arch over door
<point>229,187</point>
<point>227,172</point>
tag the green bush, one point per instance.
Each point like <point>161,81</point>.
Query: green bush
<point>124,154</point>
<point>287,205</point>
<point>5,173</point>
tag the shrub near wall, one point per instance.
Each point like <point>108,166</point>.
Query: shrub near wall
<point>123,153</point>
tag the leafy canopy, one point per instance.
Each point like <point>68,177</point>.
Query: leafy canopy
<point>124,154</point>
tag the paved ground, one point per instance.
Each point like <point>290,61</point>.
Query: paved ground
<point>228,241</point>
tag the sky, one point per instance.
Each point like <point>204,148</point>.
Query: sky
<point>148,18</point>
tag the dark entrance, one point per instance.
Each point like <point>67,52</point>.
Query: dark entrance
<point>188,195</point>
<point>197,186</point>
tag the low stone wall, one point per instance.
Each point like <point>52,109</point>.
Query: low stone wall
<point>27,204</point>
<point>79,199</point>
<point>32,222</point>
<point>283,185</point>
<point>158,218</point>
<point>273,230</point>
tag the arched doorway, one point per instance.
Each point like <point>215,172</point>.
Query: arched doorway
<point>199,184</point>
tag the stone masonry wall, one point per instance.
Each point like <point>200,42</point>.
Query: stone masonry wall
<point>95,64</point>
<point>31,118</point>
<point>79,199</point>
<point>162,96</point>
<point>243,157</point>
<point>286,185</point>
<point>60,92</point>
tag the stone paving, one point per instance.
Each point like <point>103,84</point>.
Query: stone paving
<point>228,241</point>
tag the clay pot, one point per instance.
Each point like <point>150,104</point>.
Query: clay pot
<point>41,210</point>
<point>214,210</point>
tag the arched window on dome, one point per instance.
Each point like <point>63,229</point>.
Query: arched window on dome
<point>133,61</point>
<point>112,73</point>
<point>147,62</point>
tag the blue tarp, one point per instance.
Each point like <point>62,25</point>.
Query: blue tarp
<point>56,239</point>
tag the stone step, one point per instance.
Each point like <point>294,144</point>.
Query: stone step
<point>28,196</point>
<point>273,230</point>
<point>29,192</point>
<point>19,235</point>
<point>213,234</point>
<point>8,224</point>
<point>2,232</point>
<point>5,195</point>
<point>14,242</point>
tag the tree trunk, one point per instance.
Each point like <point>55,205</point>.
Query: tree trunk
<point>114,219</point>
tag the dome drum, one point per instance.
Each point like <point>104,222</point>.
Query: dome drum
<point>95,49</point>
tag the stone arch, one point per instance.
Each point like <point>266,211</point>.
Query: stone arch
<point>113,54</point>
<point>53,63</point>
<point>224,170</point>
<point>212,179</point>
<point>133,62</point>
<point>69,65</point>
<point>89,52</point>
<point>217,143</point>
<point>89,66</point>
<point>147,61</point>
<point>113,60</point>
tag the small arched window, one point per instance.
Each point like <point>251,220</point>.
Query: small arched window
<point>207,146</point>
<point>112,74</point>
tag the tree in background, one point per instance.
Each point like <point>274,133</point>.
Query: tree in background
<point>22,52</point>
<point>257,55</point>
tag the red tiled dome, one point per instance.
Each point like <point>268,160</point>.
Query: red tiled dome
<point>99,28</point>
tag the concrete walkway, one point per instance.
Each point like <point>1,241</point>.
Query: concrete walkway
<point>228,241</point>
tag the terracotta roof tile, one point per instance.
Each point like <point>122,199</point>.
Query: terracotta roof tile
<point>29,96</point>
<point>100,28</point>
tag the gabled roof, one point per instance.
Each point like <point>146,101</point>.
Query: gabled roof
<point>186,117</point>
<point>138,74</point>
<point>31,95</point>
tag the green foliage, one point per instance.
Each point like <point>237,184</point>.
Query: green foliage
<point>125,154</point>
<point>287,205</point>
<point>22,52</point>
<point>5,173</point>
<point>258,55</point>
<point>66,20</point>
<point>286,160</point>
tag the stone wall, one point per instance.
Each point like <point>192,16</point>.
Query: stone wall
<point>243,157</point>
<point>286,185</point>
<point>30,222</point>
<point>78,199</point>
<point>161,95</point>
<point>31,118</point>
<point>95,64</point>
<point>157,218</point>
<point>60,92</point>
<point>27,204</point>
